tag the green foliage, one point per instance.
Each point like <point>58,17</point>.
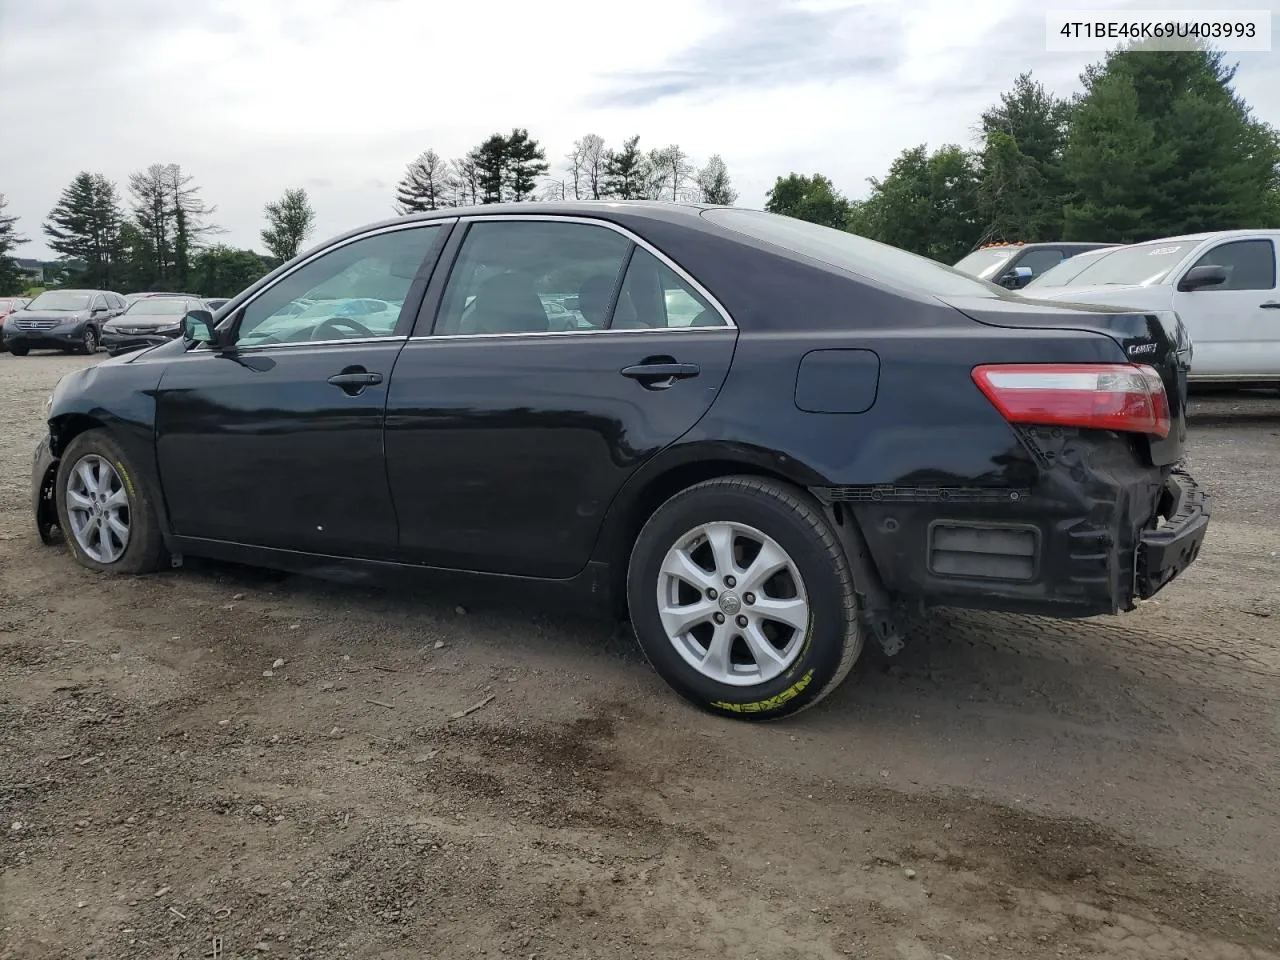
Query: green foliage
<point>1023,187</point>
<point>1160,144</point>
<point>85,226</point>
<point>625,171</point>
<point>526,162</point>
<point>11,279</point>
<point>168,212</point>
<point>928,203</point>
<point>222,271</point>
<point>812,198</point>
<point>713,183</point>
<point>290,220</point>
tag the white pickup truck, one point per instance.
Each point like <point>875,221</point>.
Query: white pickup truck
<point>1222,285</point>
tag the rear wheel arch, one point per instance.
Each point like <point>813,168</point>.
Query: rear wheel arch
<point>633,509</point>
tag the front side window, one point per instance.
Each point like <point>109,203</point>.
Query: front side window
<point>329,298</point>
<point>99,302</point>
<point>654,295</point>
<point>520,276</point>
<point>1250,264</point>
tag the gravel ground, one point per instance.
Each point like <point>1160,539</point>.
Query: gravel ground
<point>219,762</point>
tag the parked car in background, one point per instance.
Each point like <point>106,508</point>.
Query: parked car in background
<point>62,320</point>
<point>1014,265</point>
<point>1222,285</point>
<point>7,306</point>
<point>841,429</point>
<point>1065,271</point>
<point>148,321</point>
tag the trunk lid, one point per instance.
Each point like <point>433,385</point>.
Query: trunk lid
<point>1155,338</point>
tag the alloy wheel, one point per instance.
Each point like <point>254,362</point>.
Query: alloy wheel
<point>733,603</point>
<point>98,509</point>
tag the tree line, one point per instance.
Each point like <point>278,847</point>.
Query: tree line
<point>156,237</point>
<point>1157,144</point>
<point>513,167</point>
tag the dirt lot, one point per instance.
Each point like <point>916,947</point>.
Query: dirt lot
<point>1007,788</point>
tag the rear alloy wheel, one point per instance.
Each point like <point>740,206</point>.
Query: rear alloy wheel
<point>89,345</point>
<point>107,520</point>
<point>742,598</point>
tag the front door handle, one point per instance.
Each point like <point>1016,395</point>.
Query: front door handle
<point>353,380</point>
<point>661,373</point>
<point>1271,305</point>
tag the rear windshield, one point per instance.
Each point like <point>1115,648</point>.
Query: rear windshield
<point>157,307</point>
<point>848,251</point>
<point>985,263</point>
<point>1066,271</point>
<point>1139,264</point>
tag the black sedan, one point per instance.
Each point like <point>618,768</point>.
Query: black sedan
<point>758,438</point>
<point>148,321</point>
<point>61,320</point>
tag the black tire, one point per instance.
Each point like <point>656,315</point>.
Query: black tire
<point>89,343</point>
<point>796,523</point>
<point>145,551</point>
<point>19,351</point>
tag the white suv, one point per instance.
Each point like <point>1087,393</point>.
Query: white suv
<point>1222,285</point>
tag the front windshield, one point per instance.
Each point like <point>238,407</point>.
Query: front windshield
<point>1138,265</point>
<point>985,263</point>
<point>854,253</point>
<point>1063,273</point>
<point>158,307</point>
<point>60,300</point>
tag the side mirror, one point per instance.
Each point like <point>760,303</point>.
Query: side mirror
<point>197,327</point>
<point>1209,275</point>
<point>98,311</point>
<point>1017,277</point>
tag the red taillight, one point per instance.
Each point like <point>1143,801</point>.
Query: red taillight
<point>1101,396</point>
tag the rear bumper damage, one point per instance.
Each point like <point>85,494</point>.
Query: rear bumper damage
<point>1094,534</point>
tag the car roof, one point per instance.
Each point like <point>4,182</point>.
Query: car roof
<point>1212,235</point>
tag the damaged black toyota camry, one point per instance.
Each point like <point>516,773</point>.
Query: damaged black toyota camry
<point>763,441</point>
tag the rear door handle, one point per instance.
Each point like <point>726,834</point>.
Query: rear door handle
<point>659,374</point>
<point>1271,305</point>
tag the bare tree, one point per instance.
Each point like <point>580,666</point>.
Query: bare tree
<point>669,172</point>
<point>463,181</point>
<point>586,167</point>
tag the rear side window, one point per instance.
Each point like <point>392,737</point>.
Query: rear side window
<point>1250,264</point>
<point>852,253</point>
<point>532,276</point>
<point>654,295</point>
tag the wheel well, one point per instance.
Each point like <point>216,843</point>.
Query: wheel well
<point>67,428</point>
<point>657,492</point>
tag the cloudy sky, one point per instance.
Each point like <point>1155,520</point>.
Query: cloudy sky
<point>253,96</point>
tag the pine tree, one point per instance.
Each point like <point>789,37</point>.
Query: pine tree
<point>425,185</point>
<point>490,159</point>
<point>85,226</point>
<point>1160,144</point>
<point>526,161</point>
<point>713,183</point>
<point>10,277</point>
<point>625,175</point>
<point>290,221</point>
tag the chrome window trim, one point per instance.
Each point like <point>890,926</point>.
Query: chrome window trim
<point>316,255</point>
<point>639,241</point>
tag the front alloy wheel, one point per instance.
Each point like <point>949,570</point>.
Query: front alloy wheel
<point>107,518</point>
<point>98,509</point>
<point>89,344</point>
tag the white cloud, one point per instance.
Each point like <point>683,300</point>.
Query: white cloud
<point>338,95</point>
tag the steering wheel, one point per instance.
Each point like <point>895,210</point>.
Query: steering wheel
<point>338,322</point>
